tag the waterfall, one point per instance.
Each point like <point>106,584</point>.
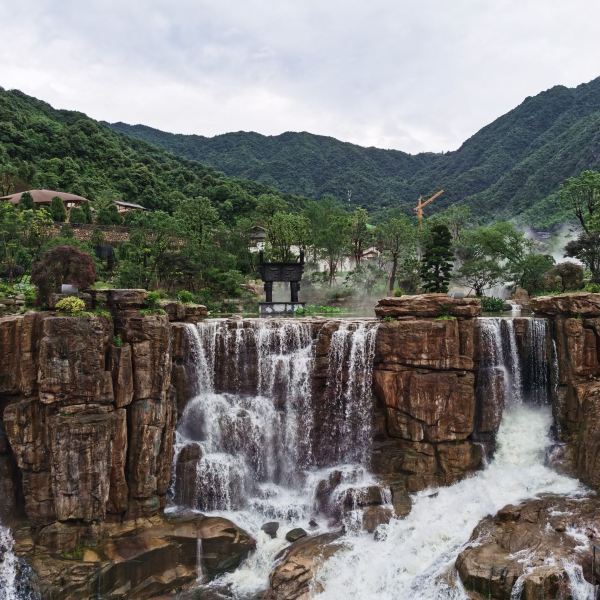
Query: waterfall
<point>348,415</point>
<point>254,425</point>
<point>411,557</point>
<point>250,444</point>
<point>8,566</point>
<point>414,557</point>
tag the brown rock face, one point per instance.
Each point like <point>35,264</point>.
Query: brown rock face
<point>428,305</point>
<point>575,326</point>
<point>292,578</point>
<point>517,543</point>
<point>584,304</point>
<point>424,381</point>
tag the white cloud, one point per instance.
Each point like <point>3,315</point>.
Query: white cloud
<point>390,73</point>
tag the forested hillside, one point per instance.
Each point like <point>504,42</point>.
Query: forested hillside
<point>510,168</point>
<point>47,148</point>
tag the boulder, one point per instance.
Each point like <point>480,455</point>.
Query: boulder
<point>271,529</point>
<point>295,534</point>
<point>374,516</point>
<point>530,544</point>
<point>293,577</point>
<point>428,305</point>
<point>195,312</point>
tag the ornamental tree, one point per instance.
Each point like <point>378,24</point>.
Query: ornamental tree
<point>436,264</point>
<point>63,264</point>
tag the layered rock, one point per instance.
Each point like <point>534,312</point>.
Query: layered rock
<point>424,380</point>
<point>536,546</point>
<point>575,320</point>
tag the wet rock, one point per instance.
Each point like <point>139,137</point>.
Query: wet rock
<point>529,545</point>
<point>374,516</point>
<point>293,577</point>
<point>295,534</point>
<point>186,492</point>
<point>271,528</point>
<point>428,305</point>
<point>359,497</point>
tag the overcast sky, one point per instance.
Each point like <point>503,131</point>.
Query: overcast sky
<point>412,75</point>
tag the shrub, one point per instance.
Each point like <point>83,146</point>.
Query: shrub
<point>71,305</point>
<point>152,299</point>
<point>398,293</point>
<point>58,210</point>
<point>492,304</point>
<point>76,216</point>
<point>30,297</point>
<point>185,296</point>
<point>63,264</point>
<point>592,287</point>
<point>117,341</point>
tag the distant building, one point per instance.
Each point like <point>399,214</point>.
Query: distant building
<point>257,237</point>
<point>124,207</point>
<point>44,198</point>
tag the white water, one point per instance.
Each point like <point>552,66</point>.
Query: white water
<point>416,553</point>
<point>8,566</point>
<point>258,461</point>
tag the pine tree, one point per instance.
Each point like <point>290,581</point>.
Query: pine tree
<point>436,264</point>
<point>26,201</point>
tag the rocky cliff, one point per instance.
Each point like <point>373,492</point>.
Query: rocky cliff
<point>424,380</point>
<point>575,321</point>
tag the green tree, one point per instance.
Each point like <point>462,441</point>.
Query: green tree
<point>360,234</point>
<point>397,240</point>
<point>284,231</point>
<point>581,195</point>
<point>586,248</point>
<point>58,210</point>
<point>86,210</point>
<point>26,201</point>
<point>76,216</point>
<point>457,217</point>
<point>532,272</point>
<point>436,264</point>
<point>108,214</point>
<point>480,273</point>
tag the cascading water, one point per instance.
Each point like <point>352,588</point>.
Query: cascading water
<point>250,430</point>
<point>413,557</point>
<point>8,566</point>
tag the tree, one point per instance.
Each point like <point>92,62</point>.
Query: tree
<point>480,273</point>
<point>533,270</point>
<point>436,264</point>
<point>26,201</point>
<point>58,210</point>
<point>456,217</point>
<point>109,215</point>
<point>586,248</point>
<point>359,233</point>
<point>396,239</point>
<point>63,264</point>
<point>76,216</point>
<point>284,231</point>
<point>569,274</point>
<point>581,195</point>
<point>86,211</point>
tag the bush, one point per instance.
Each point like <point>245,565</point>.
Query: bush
<point>58,210</point>
<point>398,293</point>
<point>152,300</point>
<point>71,305</point>
<point>30,297</point>
<point>492,304</point>
<point>185,296</point>
<point>592,287</point>
<point>76,216</point>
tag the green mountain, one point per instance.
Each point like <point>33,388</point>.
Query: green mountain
<point>42,147</point>
<point>511,168</point>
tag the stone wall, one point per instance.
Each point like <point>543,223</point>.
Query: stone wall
<point>424,381</point>
<point>575,320</point>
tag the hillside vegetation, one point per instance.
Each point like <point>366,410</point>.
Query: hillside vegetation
<point>511,168</point>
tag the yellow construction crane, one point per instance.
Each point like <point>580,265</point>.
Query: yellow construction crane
<point>422,203</point>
